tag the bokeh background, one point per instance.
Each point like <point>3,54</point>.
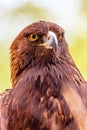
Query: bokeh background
<point>17,14</point>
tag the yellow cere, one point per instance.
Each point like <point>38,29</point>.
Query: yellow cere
<point>33,37</point>
<point>45,45</point>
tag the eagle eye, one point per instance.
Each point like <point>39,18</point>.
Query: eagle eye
<point>33,37</point>
<point>60,37</point>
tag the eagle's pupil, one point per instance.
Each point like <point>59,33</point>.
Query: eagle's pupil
<point>33,36</point>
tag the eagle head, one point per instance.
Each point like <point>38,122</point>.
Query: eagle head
<point>41,43</point>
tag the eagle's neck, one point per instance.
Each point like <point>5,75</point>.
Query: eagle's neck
<point>45,65</point>
<point>19,65</point>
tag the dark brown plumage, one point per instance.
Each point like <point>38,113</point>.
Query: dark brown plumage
<point>42,70</point>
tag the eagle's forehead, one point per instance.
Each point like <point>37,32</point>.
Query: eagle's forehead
<point>42,27</point>
<point>37,27</point>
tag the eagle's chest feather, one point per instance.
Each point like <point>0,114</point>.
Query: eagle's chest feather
<point>45,98</point>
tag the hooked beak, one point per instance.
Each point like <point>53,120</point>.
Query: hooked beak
<point>51,42</point>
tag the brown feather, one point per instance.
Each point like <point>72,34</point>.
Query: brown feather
<point>76,105</point>
<point>39,75</point>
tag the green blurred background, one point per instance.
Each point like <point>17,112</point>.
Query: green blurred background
<point>70,14</point>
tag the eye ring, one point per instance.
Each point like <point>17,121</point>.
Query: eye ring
<point>33,37</point>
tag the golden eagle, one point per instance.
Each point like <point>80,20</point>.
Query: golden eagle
<point>48,93</point>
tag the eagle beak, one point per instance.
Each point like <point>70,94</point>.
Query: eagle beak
<point>51,41</point>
